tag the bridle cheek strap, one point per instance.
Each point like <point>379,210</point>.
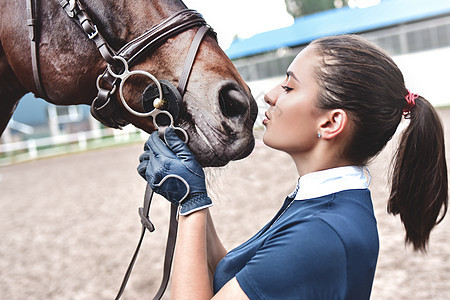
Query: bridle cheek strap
<point>190,58</point>
<point>34,40</point>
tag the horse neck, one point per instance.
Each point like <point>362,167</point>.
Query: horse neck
<point>124,20</point>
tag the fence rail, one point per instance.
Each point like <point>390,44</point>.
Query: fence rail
<point>42,147</point>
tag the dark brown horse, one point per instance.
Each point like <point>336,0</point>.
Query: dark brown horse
<point>217,110</point>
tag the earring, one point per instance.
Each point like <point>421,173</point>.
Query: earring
<point>319,135</point>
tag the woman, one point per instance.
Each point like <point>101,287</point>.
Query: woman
<point>340,103</point>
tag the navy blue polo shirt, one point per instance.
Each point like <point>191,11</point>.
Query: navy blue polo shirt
<point>319,248</point>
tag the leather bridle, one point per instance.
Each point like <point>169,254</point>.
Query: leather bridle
<point>103,107</point>
<point>111,80</point>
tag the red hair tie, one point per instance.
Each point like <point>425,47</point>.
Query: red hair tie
<point>411,101</point>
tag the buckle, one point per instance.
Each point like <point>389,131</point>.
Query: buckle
<point>93,34</point>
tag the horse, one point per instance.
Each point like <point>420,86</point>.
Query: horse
<point>45,52</point>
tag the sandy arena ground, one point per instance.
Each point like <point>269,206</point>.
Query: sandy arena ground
<point>69,225</point>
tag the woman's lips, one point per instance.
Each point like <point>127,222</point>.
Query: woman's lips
<point>267,119</point>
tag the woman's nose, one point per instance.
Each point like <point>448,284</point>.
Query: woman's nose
<point>267,99</point>
<point>270,97</point>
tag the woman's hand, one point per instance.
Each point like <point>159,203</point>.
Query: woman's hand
<point>173,172</point>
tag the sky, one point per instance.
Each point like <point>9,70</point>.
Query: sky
<point>244,18</point>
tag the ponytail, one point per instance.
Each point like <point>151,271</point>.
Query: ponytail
<point>359,77</point>
<point>419,191</point>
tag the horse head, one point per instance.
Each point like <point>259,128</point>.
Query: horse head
<point>217,109</point>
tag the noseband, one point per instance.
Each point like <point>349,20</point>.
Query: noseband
<point>117,72</point>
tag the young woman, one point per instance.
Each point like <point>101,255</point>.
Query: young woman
<point>340,103</point>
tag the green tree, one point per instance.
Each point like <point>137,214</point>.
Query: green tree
<point>297,8</point>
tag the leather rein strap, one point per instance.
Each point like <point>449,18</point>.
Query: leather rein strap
<point>102,107</point>
<point>144,211</point>
<point>170,245</point>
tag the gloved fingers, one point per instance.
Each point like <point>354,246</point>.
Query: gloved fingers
<point>182,152</point>
<point>147,161</point>
<point>176,144</point>
<point>158,147</point>
<point>147,143</point>
<point>144,156</point>
<point>143,162</point>
<point>142,168</point>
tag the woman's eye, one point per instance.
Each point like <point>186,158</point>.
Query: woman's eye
<point>286,88</point>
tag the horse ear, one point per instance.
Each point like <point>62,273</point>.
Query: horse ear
<point>171,96</point>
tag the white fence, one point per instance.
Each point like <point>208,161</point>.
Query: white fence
<point>73,142</point>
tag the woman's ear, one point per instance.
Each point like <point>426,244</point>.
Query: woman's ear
<point>333,123</point>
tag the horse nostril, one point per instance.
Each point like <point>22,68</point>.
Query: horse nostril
<point>233,102</point>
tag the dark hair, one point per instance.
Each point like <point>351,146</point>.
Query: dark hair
<point>360,78</point>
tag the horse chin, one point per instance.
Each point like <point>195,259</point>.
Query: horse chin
<point>215,149</point>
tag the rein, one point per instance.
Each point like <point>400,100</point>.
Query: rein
<point>113,78</point>
<point>170,244</point>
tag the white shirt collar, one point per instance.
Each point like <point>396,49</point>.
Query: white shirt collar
<point>330,181</point>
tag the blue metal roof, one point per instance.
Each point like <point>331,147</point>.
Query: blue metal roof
<point>339,21</point>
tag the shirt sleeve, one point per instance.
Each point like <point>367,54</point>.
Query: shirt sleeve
<point>306,260</point>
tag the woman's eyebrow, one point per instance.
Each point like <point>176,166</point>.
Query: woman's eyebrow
<point>292,75</point>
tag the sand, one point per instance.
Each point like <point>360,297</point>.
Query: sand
<point>69,225</point>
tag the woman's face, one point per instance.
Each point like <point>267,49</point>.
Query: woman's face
<point>292,121</point>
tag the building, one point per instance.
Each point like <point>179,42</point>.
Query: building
<point>35,118</point>
<point>415,32</point>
